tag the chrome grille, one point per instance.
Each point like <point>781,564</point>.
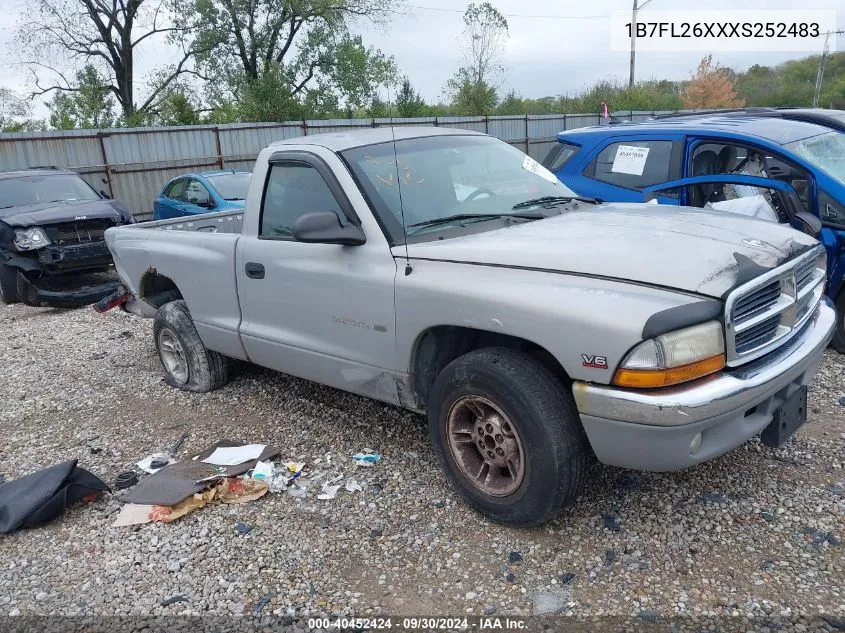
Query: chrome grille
<point>765,312</point>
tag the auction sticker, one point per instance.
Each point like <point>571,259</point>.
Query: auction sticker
<point>536,168</point>
<point>630,160</point>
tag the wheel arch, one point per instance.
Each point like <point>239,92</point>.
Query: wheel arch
<point>439,345</point>
<point>158,289</point>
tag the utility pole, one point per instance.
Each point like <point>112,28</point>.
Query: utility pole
<point>634,12</point>
<point>819,76</point>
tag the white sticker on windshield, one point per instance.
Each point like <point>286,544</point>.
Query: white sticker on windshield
<point>630,160</point>
<point>536,168</point>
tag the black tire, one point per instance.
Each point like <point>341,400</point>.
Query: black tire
<point>838,341</point>
<point>543,413</point>
<point>8,284</point>
<point>205,370</point>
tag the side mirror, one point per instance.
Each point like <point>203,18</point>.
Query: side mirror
<point>807,223</point>
<point>324,227</point>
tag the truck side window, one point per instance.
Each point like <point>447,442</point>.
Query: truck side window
<point>633,164</point>
<point>293,189</point>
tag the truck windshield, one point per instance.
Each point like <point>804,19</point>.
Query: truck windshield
<point>450,176</point>
<point>825,152</point>
<point>20,191</point>
<point>231,186</point>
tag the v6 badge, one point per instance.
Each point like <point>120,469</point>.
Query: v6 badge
<point>596,362</point>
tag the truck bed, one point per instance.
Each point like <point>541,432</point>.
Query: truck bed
<point>214,222</point>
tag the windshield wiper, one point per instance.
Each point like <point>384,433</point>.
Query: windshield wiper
<point>550,201</point>
<point>478,216</point>
<point>232,199</point>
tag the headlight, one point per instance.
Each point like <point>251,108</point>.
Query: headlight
<point>29,239</point>
<point>674,357</point>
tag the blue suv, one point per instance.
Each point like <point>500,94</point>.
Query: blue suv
<point>766,166</point>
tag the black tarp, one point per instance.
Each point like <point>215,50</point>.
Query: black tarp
<point>40,497</point>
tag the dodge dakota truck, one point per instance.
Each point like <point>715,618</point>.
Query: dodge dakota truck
<point>446,272</point>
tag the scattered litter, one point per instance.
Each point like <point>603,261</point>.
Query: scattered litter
<point>551,601</point>
<point>179,480</point>
<point>263,471</point>
<point>767,516</point>
<point>297,490</point>
<point>133,514</point>
<point>375,533</point>
<point>376,489</point>
<point>173,600</point>
<point>95,451</point>
<point>438,503</point>
<point>227,490</point>
<point>242,528</point>
<point>609,557</point>
<point>234,455</point>
<point>511,578</point>
<point>842,401</point>
<point>262,602</point>
<point>294,470</point>
<point>153,463</point>
<point>712,497</point>
<point>353,486</point>
<point>514,557</point>
<point>242,490</point>
<point>366,459</point>
<point>566,578</point>
<point>40,497</point>
<point>329,492</point>
<point>177,446</point>
<point>126,479</point>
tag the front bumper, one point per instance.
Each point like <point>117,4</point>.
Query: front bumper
<point>32,295</point>
<point>653,430</point>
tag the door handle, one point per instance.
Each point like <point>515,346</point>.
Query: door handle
<point>254,270</point>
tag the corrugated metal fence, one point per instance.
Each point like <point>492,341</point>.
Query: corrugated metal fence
<point>133,164</point>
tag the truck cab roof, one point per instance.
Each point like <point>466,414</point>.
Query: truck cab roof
<point>341,141</point>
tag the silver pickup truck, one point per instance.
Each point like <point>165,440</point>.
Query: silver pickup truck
<point>448,273</point>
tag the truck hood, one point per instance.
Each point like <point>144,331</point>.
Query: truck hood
<point>703,252</point>
<point>56,212</point>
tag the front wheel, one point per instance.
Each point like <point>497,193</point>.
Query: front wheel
<point>187,364</point>
<point>508,435</point>
<point>838,341</point>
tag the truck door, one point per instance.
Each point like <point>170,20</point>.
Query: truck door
<point>323,312</point>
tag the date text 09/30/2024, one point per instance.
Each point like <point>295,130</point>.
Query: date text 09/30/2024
<point>418,624</point>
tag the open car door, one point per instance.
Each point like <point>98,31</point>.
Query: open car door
<point>753,196</point>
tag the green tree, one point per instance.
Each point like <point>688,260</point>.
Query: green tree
<point>512,104</point>
<point>88,103</point>
<point>473,87</point>
<point>409,103</point>
<point>177,107</point>
<point>302,47</point>
<point>13,110</point>
<point>56,33</point>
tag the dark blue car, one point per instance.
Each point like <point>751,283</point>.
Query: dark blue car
<point>777,168</point>
<point>192,194</point>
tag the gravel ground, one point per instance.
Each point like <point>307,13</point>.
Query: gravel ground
<point>755,533</point>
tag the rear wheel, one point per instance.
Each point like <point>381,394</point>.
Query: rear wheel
<point>187,364</point>
<point>508,435</point>
<point>8,284</point>
<point>838,341</point>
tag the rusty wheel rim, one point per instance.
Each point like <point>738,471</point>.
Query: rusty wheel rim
<point>485,446</point>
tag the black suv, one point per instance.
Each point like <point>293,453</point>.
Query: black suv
<point>51,235</point>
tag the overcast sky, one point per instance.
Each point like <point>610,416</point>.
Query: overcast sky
<point>563,47</point>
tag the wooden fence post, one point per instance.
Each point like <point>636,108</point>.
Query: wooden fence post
<point>527,141</point>
<point>219,147</point>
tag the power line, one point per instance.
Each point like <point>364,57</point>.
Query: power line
<point>515,15</point>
